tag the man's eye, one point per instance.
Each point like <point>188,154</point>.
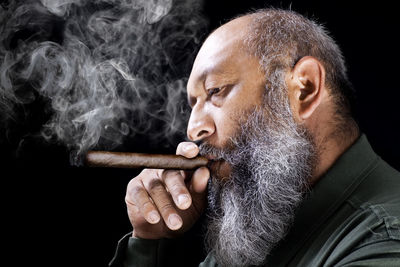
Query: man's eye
<point>213,91</point>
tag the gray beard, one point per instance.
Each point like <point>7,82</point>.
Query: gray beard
<point>272,160</point>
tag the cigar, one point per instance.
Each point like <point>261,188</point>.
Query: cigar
<point>141,160</point>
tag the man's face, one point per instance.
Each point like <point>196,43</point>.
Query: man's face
<point>224,83</point>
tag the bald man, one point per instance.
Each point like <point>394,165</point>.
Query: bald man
<point>292,181</point>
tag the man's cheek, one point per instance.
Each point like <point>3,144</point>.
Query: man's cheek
<point>226,130</point>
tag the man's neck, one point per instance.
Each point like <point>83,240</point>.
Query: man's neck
<point>329,149</point>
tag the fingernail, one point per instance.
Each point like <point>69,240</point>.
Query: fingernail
<point>189,147</point>
<point>183,201</point>
<point>153,216</point>
<point>174,221</point>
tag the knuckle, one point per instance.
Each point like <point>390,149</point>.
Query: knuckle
<point>166,207</point>
<point>155,186</point>
<point>134,190</point>
<point>147,206</point>
<point>177,188</point>
<point>168,175</point>
<point>128,201</point>
<point>174,182</point>
<point>132,183</point>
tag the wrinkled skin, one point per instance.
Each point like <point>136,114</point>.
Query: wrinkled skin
<point>224,83</point>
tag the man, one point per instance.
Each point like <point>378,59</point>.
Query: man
<point>292,183</point>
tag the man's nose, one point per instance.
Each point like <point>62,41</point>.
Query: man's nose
<point>200,126</point>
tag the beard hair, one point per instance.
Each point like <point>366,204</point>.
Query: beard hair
<point>271,159</point>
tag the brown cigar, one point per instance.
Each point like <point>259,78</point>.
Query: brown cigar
<point>140,160</point>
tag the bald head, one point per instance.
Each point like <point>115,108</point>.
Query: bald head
<point>225,42</point>
<point>277,40</point>
<point>241,63</point>
<point>236,29</point>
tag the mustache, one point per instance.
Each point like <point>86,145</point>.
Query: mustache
<point>229,153</point>
<point>229,148</point>
<point>208,150</point>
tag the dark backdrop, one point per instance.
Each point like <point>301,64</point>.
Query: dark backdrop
<point>57,215</point>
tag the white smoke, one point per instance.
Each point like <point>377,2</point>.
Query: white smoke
<point>59,7</point>
<point>108,68</point>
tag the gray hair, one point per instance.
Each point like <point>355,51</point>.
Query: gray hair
<point>279,38</point>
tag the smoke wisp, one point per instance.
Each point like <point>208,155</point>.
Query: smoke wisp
<point>108,69</point>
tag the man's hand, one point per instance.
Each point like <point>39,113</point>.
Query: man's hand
<point>164,203</point>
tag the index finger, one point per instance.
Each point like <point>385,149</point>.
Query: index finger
<point>187,149</point>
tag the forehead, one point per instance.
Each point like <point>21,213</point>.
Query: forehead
<point>222,54</point>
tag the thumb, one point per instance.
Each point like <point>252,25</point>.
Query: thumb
<point>198,186</point>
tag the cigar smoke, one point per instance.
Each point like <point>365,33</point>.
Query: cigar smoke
<point>106,69</point>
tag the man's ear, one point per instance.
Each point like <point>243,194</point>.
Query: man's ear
<point>306,84</point>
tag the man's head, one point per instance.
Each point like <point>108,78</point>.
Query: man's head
<point>224,82</point>
<point>268,94</point>
<point>238,61</point>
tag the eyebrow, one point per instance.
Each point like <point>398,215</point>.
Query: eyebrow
<point>216,70</point>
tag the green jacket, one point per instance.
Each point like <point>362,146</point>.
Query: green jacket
<point>350,218</point>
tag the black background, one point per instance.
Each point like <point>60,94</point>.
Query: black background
<point>60,215</point>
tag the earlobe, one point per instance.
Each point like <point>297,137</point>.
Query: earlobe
<point>307,85</point>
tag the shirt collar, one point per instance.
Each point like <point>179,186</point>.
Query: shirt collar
<point>331,190</point>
